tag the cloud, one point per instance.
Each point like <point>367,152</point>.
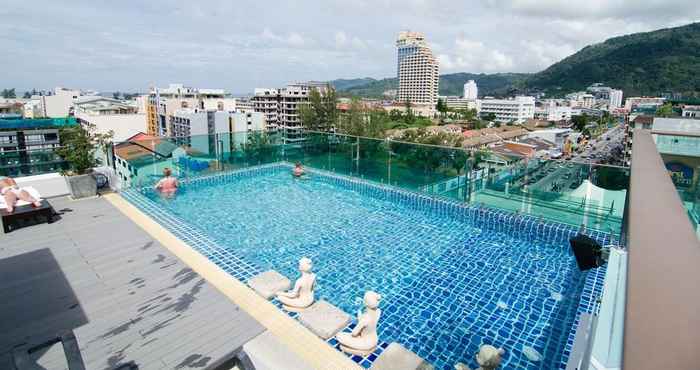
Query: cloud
<point>595,9</point>
<point>293,39</point>
<point>129,46</point>
<point>474,56</point>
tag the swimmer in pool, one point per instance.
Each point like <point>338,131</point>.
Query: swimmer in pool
<point>298,170</point>
<point>168,184</point>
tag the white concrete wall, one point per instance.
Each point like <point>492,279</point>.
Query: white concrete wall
<point>48,184</point>
<point>123,125</point>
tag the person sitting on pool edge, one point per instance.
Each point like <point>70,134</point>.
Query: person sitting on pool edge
<point>12,193</point>
<point>298,170</point>
<point>168,184</point>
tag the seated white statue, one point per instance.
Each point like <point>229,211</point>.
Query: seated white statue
<point>302,295</point>
<point>363,338</point>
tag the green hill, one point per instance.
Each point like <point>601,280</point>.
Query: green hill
<point>649,63</point>
<point>450,84</point>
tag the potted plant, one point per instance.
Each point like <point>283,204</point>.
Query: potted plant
<point>78,147</point>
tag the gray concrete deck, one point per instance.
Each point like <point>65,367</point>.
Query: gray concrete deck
<point>127,299</point>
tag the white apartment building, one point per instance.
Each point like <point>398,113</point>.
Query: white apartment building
<point>280,108</point>
<point>108,114</point>
<point>471,91</point>
<point>581,100</point>
<point>417,70</point>
<point>615,99</point>
<point>59,104</point>
<point>551,111</point>
<point>196,122</point>
<point>518,109</point>
<point>163,102</point>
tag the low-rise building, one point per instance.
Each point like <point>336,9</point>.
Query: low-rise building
<point>420,110</point>
<point>457,102</point>
<point>644,101</point>
<point>11,109</point>
<point>581,100</point>
<point>110,115</point>
<point>27,146</point>
<point>553,113</point>
<point>691,111</point>
<point>518,109</point>
<point>60,104</point>
<point>557,136</point>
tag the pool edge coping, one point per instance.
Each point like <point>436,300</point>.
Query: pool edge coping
<point>310,348</point>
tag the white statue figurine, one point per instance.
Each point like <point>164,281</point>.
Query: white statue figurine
<point>363,338</point>
<point>488,358</point>
<point>302,295</point>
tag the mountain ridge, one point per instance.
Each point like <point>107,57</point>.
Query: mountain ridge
<point>656,62</point>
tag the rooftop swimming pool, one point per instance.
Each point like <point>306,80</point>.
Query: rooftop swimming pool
<point>451,277</point>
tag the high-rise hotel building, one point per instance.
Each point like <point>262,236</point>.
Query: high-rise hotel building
<point>417,69</point>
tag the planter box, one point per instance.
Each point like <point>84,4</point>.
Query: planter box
<point>81,186</point>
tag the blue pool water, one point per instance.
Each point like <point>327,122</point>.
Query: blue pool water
<point>448,285</point>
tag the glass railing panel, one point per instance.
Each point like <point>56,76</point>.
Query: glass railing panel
<point>573,193</point>
<point>373,160</point>
<point>418,167</point>
<point>18,163</point>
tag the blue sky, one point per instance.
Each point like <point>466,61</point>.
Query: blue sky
<point>239,45</point>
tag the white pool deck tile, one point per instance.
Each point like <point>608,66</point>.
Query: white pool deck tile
<point>324,319</point>
<point>269,283</point>
<point>397,357</point>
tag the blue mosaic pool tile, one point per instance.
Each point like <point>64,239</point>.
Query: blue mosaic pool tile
<point>526,227</point>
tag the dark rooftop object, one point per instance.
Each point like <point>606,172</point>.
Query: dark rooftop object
<point>126,298</point>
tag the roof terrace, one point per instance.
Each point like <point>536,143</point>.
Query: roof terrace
<point>132,290</point>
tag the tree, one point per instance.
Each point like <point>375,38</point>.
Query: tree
<point>441,106</point>
<point>321,112</point>
<point>78,146</point>
<point>409,117</point>
<point>9,93</point>
<point>27,95</point>
<point>665,110</point>
<point>116,95</point>
<point>580,122</point>
<point>491,117</point>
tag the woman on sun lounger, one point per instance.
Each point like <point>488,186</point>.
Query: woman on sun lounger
<point>12,193</point>
<point>168,184</point>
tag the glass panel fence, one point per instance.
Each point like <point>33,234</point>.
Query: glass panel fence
<point>18,163</point>
<point>681,155</point>
<point>574,193</point>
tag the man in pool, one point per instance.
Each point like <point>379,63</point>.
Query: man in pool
<point>168,184</point>
<point>12,193</point>
<point>298,170</point>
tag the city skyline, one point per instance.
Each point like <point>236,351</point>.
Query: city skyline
<point>242,46</point>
